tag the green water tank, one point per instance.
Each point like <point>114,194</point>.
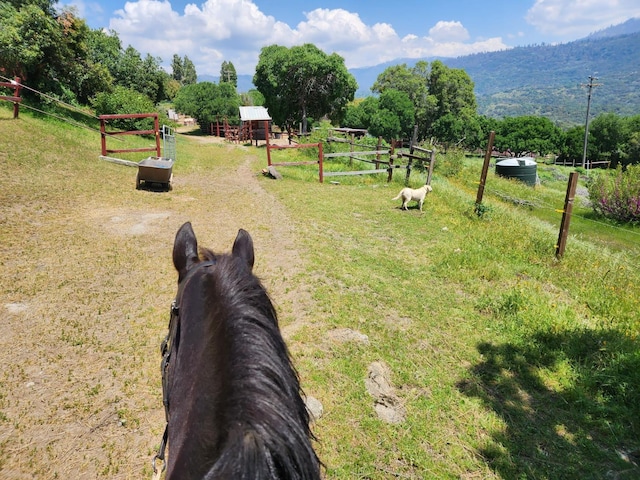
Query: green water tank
<point>524,169</point>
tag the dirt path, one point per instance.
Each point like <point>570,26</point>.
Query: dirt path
<point>80,390</point>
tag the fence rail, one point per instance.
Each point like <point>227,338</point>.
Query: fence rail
<point>103,132</point>
<point>15,98</point>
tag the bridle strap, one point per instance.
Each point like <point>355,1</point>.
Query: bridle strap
<point>166,348</point>
<point>160,455</point>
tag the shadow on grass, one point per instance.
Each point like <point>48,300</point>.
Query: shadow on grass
<point>570,403</point>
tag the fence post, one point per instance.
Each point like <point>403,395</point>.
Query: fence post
<point>485,168</point>
<point>156,125</point>
<point>16,105</point>
<point>432,160</point>
<point>414,138</point>
<point>268,151</point>
<point>566,214</point>
<point>392,154</point>
<point>320,160</point>
<point>103,137</point>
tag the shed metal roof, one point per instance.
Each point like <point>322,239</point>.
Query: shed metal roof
<point>248,114</point>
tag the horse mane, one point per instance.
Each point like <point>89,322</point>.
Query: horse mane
<point>266,422</point>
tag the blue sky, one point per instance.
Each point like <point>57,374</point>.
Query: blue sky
<point>364,33</point>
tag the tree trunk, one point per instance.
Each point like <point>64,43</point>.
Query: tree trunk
<point>304,120</point>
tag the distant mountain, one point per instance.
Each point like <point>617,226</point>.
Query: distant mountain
<point>544,80</point>
<point>547,80</point>
<point>630,26</point>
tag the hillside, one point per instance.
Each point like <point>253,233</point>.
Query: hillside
<point>547,80</point>
<point>544,80</point>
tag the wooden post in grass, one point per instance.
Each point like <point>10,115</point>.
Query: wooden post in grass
<point>15,98</point>
<point>566,214</point>
<point>485,168</point>
<point>392,156</point>
<point>432,161</point>
<point>414,138</point>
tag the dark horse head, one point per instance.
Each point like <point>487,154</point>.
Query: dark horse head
<point>232,394</point>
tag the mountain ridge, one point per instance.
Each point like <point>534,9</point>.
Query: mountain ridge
<point>542,80</point>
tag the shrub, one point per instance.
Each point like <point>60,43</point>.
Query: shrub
<point>449,164</point>
<point>617,195</point>
<point>125,100</point>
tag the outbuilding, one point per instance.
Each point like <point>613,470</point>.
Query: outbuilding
<point>255,123</point>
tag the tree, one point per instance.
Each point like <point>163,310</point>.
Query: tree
<point>303,82</point>
<point>208,102</point>
<point>252,98</point>
<point>228,74</point>
<point>399,105</point>
<point>145,76</point>
<point>435,91</point>
<point>608,137</point>
<point>452,130</point>
<point>526,134</point>
<point>412,81</point>
<point>385,124</point>
<point>189,75</point>
<point>183,70</point>
<point>176,68</point>
<point>391,116</point>
<point>124,100</point>
<point>572,146</point>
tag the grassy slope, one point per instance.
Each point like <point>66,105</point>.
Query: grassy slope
<point>507,358</point>
<point>510,363</point>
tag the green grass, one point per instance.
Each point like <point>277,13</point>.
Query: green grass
<point>509,362</point>
<point>520,353</point>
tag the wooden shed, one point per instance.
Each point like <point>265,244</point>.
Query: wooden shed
<point>255,123</point>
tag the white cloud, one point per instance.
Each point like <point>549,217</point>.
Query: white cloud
<point>571,18</point>
<point>448,32</point>
<point>236,30</point>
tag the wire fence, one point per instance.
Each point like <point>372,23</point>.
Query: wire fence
<point>546,206</point>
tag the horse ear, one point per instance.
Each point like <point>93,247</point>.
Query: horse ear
<point>243,248</point>
<point>185,250</point>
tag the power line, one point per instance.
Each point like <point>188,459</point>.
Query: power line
<point>72,107</point>
<point>68,105</point>
<point>70,122</point>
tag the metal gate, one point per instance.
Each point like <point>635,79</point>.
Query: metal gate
<point>168,142</point>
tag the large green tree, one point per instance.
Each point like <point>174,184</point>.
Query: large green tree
<point>208,102</point>
<point>435,90</point>
<point>457,131</point>
<point>528,134</point>
<point>302,82</point>
<point>189,74</point>
<point>183,71</point>
<point>608,135</point>
<point>228,74</point>
<point>176,68</point>
<point>48,50</point>
<point>142,75</point>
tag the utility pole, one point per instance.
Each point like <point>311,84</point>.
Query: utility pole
<point>590,86</point>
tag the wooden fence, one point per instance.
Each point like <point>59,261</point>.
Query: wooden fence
<point>104,134</point>
<point>15,98</point>
<point>383,159</point>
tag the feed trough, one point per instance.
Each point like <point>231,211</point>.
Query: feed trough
<point>155,170</point>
